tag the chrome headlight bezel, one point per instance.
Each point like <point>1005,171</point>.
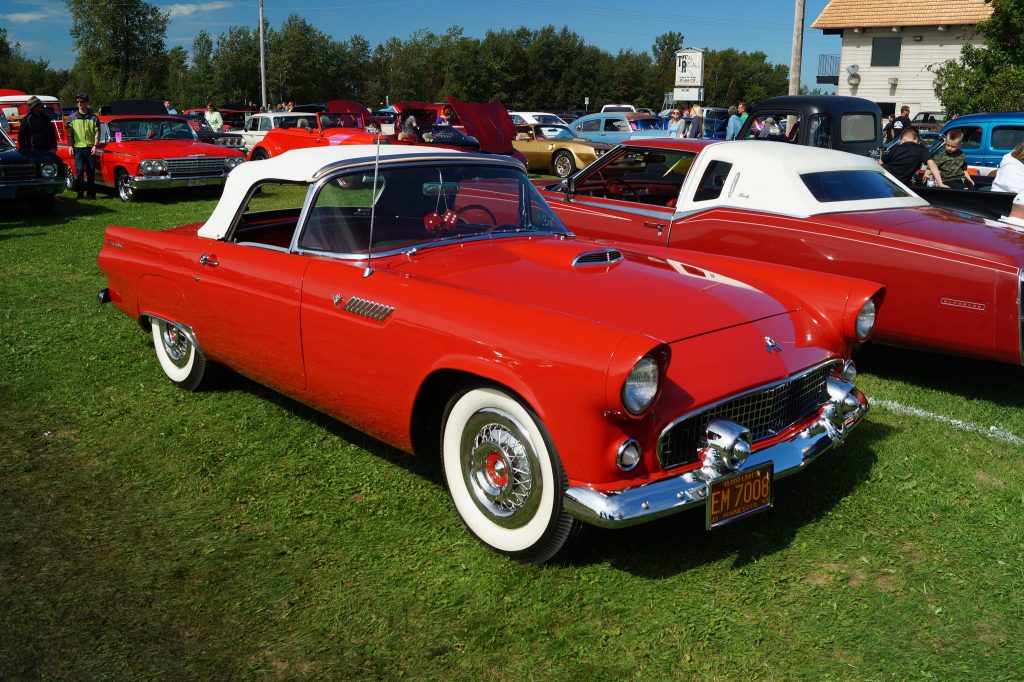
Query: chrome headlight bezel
<point>232,162</point>
<point>152,166</point>
<point>641,385</point>
<point>866,319</point>
<point>48,170</point>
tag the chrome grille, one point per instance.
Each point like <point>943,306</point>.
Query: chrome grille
<point>765,411</point>
<point>201,165</point>
<point>20,172</point>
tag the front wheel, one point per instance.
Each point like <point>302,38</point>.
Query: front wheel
<point>125,189</point>
<point>180,359</point>
<point>259,155</point>
<point>504,475</point>
<point>69,178</point>
<point>563,164</point>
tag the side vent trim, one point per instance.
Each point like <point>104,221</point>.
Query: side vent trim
<point>602,257</point>
<point>368,309</point>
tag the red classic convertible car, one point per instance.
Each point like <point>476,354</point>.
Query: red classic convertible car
<point>953,282</point>
<point>140,151</point>
<point>432,299</point>
<point>342,122</point>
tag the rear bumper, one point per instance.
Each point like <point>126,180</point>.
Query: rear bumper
<point>644,503</point>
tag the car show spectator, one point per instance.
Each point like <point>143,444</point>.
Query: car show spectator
<point>732,128</point>
<point>696,128</point>
<point>741,109</point>
<point>170,109</point>
<point>36,134</point>
<point>83,136</point>
<point>904,159</point>
<point>676,124</point>
<point>445,119</point>
<point>898,124</point>
<point>214,118</point>
<point>1010,176</point>
<point>410,129</point>
<point>5,125</point>
<point>952,162</point>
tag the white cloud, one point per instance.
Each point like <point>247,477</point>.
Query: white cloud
<point>27,17</point>
<point>179,10</point>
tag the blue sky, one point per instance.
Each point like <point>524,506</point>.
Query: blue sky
<point>42,26</point>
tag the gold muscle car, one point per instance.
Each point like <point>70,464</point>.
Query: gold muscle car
<point>554,147</point>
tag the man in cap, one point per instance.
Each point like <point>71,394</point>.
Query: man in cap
<point>84,134</point>
<point>36,135</point>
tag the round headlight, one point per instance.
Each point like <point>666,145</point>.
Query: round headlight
<point>641,385</point>
<point>159,165</point>
<point>866,320</point>
<point>48,170</point>
<point>146,166</point>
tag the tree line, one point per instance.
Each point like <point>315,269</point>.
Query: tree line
<point>125,56</point>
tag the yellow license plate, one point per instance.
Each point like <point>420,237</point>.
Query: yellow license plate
<point>737,496</point>
<point>197,182</point>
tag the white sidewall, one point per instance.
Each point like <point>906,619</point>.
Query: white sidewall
<point>173,372</point>
<point>503,539</point>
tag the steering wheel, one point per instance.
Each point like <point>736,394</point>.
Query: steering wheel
<point>479,207</point>
<point>616,187</point>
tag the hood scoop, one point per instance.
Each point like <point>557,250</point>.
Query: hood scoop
<point>599,257</point>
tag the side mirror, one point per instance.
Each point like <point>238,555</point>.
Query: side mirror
<point>567,186</point>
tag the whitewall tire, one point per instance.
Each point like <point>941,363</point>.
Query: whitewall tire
<point>504,475</point>
<point>180,359</point>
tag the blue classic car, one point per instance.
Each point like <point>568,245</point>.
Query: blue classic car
<point>612,127</point>
<point>36,178</point>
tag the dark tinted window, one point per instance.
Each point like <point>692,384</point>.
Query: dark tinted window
<point>1007,137</point>
<point>886,51</point>
<point>590,126</point>
<point>819,131</point>
<point>713,181</point>
<point>851,185</point>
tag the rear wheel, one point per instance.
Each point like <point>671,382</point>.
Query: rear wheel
<point>125,190</point>
<point>504,475</point>
<point>563,164</point>
<point>180,359</point>
<point>259,155</point>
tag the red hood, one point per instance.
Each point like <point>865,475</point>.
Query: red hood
<point>170,149</point>
<point>488,123</point>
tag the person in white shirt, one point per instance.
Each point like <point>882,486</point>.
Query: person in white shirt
<point>1010,176</point>
<point>1016,216</point>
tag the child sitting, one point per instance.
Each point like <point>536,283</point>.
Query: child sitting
<point>952,162</point>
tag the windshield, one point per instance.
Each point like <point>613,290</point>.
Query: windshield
<point>150,129</point>
<point>646,124</point>
<point>552,132</point>
<point>417,206</point>
<point>548,119</point>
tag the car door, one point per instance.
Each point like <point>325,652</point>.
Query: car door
<point>628,195</point>
<point>588,129</point>
<point>532,148</point>
<point>249,285</point>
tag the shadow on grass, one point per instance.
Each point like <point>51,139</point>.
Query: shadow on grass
<point>964,377</point>
<point>666,546</point>
<point>679,543</point>
<point>65,208</point>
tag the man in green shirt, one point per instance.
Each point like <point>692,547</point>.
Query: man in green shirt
<point>83,134</point>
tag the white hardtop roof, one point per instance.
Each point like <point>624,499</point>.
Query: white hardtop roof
<point>22,98</point>
<point>769,179</point>
<point>299,165</point>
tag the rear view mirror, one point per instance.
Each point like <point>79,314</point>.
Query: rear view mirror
<point>439,189</point>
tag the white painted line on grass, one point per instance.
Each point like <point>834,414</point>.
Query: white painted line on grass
<point>997,432</point>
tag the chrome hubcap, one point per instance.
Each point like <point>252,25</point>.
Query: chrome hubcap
<point>498,465</point>
<point>125,187</point>
<point>563,167</point>
<point>176,344</point>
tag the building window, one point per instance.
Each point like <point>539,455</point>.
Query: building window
<point>886,51</point>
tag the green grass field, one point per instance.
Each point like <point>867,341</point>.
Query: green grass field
<point>146,532</point>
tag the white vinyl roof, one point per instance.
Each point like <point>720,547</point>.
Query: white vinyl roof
<point>21,98</point>
<point>298,165</point>
<point>765,176</point>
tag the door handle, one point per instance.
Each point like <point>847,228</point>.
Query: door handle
<point>208,259</point>
<point>655,226</point>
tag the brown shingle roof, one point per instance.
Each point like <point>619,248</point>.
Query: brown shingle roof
<point>853,13</point>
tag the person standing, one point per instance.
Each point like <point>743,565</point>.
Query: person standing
<point>899,124</point>
<point>696,123</point>
<point>170,110</point>
<point>676,124</point>
<point>214,118</point>
<point>83,135</point>
<point>36,134</point>
<point>741,110</point>
<point>732,128</point>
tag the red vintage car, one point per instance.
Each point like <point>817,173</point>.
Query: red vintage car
<point>432,299</point>
<point>140,151</point>
<point>342,122</point>
<point>954,282</point>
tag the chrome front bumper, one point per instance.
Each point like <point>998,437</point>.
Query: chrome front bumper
<point>644,503</point>
<point>164,181</point>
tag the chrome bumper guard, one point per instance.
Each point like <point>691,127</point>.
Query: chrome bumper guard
<point>165,181</point>
<point>631,506</point>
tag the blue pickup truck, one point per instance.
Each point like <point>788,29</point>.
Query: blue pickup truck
<point>988,137</point>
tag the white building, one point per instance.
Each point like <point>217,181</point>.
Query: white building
<point>888,47</point>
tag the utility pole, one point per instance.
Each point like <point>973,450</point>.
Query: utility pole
<point>262,57</point>
<point>798,49</point>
